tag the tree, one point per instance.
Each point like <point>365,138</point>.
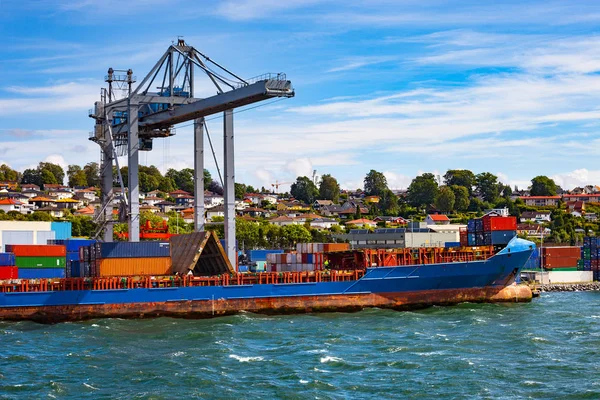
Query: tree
<point>329,189</point>
<point>92,172</point>
<point>543,186</point>
<point>240,191</point>
<point>292,234</point>
<point>53,169</point>
<point>76,176</point>
<point>422,190</point>
<point>445,199</point>
<point>304,190</point>
<point>8,174</point>
<point>375,183</point>
<point>460,177</point>
<point>216,187</point>
<point>48,177</point>
<point>488,186</point>
<point>461,197</point>
<point>32,176</point>
<point>388,203</point>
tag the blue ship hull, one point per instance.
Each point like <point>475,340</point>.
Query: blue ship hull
<point>390,287</point>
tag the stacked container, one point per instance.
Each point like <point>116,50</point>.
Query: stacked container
<point>490,231</point>
<point>39,261</point>
<point>294,262</point>
<point>590,253</point>
<point>73,265</point>
<point>8,269</point>
<point>563,258</point>
<point>130,259</point>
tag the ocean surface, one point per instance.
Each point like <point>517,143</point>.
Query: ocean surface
<point>547,349</point>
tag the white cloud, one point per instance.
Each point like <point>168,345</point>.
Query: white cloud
<point>397,181</point>
<point>351,63</point>
<point>258,9</point>
<point>578,177</point>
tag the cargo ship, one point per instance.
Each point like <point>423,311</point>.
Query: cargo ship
<point>206,285</point>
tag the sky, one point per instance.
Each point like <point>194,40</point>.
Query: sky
<point>402,87</point>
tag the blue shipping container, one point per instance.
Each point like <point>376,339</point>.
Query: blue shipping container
<point>133,249</point>
<point>75,269</point>
<point>73,256</point>
<point>261,255</point>
<point>471,225</point>
<point>7,259</point>
<point>479,225</point>
<point>41,273</point>
<point>62,230</point>
<point>502,237</point>
<point>452,244</point>
<point>471,239</point>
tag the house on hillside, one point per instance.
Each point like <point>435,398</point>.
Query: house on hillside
<point>218,211</point>
<point>282,221</point>
<point>362,222</point>
<point>53,211</point>
<point>318,204</point>
<point>437,219</point>
<point>332,210</point>
<point>26,187</point>
<point>371,199</point>
<point>178,193</point>
<point>256,212</point>
<point>576,208</point>
<point>8,205</point>
<point>323,223</point>
<point>537,216</point>
<point>165,206</point>
<point>184,200</point>
<point>586,198</point>
<point>391,220</point>
<point>541,201</point>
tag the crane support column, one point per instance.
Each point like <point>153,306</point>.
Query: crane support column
<point>133,144</point>
<point>106,177</point>
<point>199,174</point>
<point>229,187</point>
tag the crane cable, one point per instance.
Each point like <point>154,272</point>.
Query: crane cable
<point>213,152</point>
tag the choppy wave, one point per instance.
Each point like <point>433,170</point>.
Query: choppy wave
<point>537,350</point>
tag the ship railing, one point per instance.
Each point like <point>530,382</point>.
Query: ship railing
<point>115,283</point>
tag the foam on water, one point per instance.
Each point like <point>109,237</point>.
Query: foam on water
<point>536,350</point>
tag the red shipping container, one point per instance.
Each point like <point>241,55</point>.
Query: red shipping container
<point>9,273</point>
<point>499,224</point>
<point>562,251</point>
<point>37,250</point>
<point>560,262</point>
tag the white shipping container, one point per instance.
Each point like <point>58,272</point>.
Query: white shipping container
<point>319,248</point>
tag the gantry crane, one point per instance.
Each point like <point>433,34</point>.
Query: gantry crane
<point>164,98</point>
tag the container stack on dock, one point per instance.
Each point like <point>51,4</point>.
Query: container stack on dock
<point>590,254</point>
<point>308,257</point>
<point>8,268</point>
<point>564,258</point>
<point>74,266</point>
<point>39,261</point>
<point>129,259</point>
<point>489,231</point>
<point>260,257</point>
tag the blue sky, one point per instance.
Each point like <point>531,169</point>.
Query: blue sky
<point>403,87</point>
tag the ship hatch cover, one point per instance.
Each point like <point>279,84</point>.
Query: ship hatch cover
<point>200,252</point>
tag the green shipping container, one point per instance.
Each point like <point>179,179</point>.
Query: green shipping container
<point>563,269</point>
<point>40,262</point>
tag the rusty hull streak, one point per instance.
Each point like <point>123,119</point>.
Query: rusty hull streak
<point>269,305</point>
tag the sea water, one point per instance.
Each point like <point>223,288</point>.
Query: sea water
<point>549,348</point>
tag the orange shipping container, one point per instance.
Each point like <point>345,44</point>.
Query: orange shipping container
<point>134,266</point>
<point>37,250</point>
